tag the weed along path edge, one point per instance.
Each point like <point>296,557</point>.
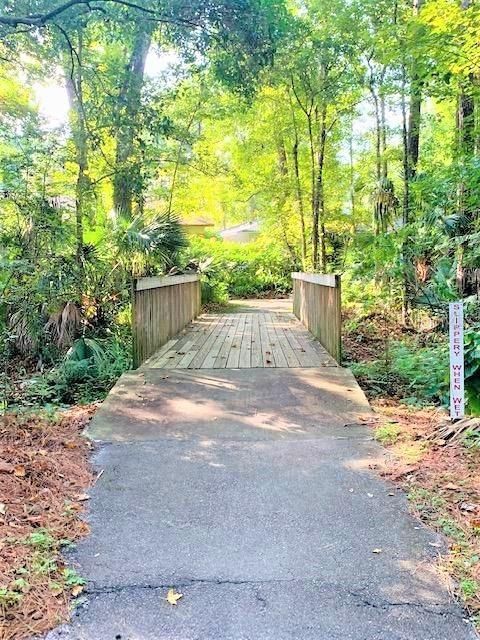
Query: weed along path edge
<point>250,493</point>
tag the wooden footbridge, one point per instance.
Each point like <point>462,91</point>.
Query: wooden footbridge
<point>169,333</point>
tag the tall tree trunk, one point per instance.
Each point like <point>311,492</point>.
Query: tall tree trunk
<point>74,85</point>
<point>465,123</point>
<point>313,200</point>
<point>378,136</point>
<point>127,174</point>
<point>298,186</point>
<point>383,136</point>
<point>353,203</point>
<point>415,112</point>
<point>319,248</point>
<point>176,168</point>
<point>411,121</point>
<point>283,169</point>
<point>380,122</point>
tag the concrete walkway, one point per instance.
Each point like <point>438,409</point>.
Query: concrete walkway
<point>250,492</point>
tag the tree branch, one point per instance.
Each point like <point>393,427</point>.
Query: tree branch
<point>42,19</point>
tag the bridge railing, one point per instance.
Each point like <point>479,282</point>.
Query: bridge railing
<point>317,304</point>
<point>161,307</point>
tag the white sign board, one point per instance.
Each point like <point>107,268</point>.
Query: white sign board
<point>457,365</point>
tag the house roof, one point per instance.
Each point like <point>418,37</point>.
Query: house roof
<point>196,222</point>
<point>246,227</point>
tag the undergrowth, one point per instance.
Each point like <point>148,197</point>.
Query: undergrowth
<point>85,374</point>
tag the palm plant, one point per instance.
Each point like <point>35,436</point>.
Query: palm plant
<point>145,245</point>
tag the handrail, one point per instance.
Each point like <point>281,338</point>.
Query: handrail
<point>161,308</point>
<point>317,304</point>
<point>325,279</point>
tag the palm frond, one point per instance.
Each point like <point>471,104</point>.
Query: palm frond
<point>64,323</point>
<point>142,242</point>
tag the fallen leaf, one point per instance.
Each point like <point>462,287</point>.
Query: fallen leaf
<point>5,467</point>
<point>70,444</point>
<point>19,471</point>
<point>2,508</point>
<point>77,590</point>
<point>468,506</point>
<point>377,550</point>
<point>82,497</point>
<point>173,596</point>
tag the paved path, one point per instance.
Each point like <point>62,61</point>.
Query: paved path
<point>249,491</point>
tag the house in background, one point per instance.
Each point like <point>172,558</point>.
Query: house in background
<point>196,226</point>
<point>241,233</point>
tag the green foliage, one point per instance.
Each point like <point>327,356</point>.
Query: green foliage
<point>469,588</point>
<point>388,433</point>
<point>415,375</point>
<point>72,578</point>
<point>240,270</point>
<point>87,372</point>
<point>147,245</point>
<point>41,539</point>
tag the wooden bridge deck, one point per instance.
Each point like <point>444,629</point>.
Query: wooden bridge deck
<point>257,338</point>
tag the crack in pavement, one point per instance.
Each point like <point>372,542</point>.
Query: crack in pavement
<point>434,608</point>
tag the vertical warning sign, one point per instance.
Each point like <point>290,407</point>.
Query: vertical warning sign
<point>457,365</point>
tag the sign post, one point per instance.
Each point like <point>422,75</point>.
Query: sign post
<point>457,364</point>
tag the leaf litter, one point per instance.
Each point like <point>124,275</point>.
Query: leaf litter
<point>442,480</point>
<point>44,473</point>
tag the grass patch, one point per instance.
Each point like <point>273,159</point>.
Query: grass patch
<point>388,433</point>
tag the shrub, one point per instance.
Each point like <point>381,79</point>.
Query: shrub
<point>239,271</point>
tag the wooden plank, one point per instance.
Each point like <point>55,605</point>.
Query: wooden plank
<point>200,335</point>
<point>212,354</point>
<point>323,279</point>
<point>181,349</point>
<point>291,357</point>
<point>317,304</point>
<point>202,353</point>
<point>153,360</point>
<point>172,354</point>
<point>275,346</point>
<point>222,358</point>
<point>304,357</point>
<point>268,358</point>
<point>155,282</point>
<point>245,360</point>
<point>234,354</point>
<point>256,353</point>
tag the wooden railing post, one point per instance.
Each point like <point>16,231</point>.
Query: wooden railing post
<point>317,303</point>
